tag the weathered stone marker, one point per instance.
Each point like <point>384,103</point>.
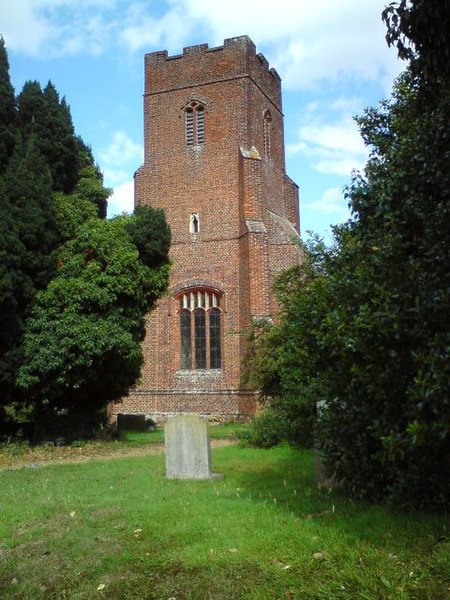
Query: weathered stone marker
<point>188,451</point>
<point>131,422</point>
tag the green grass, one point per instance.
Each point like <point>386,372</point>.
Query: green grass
<point>20,454</point>
<point>135,438</point>
<point>264,531</point>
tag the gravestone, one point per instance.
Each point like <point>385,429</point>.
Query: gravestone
<point>188,451</point>
<point>127,422</point>
<point>323,479</point>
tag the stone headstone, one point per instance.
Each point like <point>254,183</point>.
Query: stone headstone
<point>323,478</point>
<point>188,451</point>
<point>131,422</point>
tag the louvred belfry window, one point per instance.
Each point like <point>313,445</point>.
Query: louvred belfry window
<point>200,329</point>
<point>194,123</point>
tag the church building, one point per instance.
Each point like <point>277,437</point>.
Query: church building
<point>215,162</point>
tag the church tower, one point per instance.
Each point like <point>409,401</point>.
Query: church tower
<point>214,161</point>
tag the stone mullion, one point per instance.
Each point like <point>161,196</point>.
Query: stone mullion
<point>193,357</point>
<point>208,337</point>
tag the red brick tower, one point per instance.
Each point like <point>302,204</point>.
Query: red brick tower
<point>214,160</point>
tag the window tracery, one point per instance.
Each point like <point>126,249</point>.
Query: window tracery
<point>200,329</point>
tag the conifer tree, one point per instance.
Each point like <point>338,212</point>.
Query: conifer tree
<point>7,110</point>
<point>29,108</point>
<point>58,143</point>
<point>13,284</point>
<point>90,180</point>
<point>41,112</point>
<point>28,239</point>
<point>28,186</point>
<point>12,280</point>
<point>72,285</point>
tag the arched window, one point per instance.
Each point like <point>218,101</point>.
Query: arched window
<point>200,329</point>
<point>194,120</point>
<point>267,133</point>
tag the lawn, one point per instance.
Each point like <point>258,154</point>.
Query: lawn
<point>132,443</point>
<point>118,529</point>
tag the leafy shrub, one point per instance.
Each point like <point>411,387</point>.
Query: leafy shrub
<point>366,321</point>
<point>266,430</point>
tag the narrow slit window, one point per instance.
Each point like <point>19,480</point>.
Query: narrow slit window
<point>194,224</point>
<point>267,133</point>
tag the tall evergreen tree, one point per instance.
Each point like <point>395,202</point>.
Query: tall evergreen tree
<point>12,251</point>
<point>29,108</point>
<point>42,112</point>
<point>49,187</point>
<point>7,110</point>
<point>13,284</point>
<point>58,143</point>
<point>90,181</point>
<point>28,240</point>
<point>28,186</point>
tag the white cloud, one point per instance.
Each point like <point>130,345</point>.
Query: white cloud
<point>24,28</point>
<point>115,176</point>
<point>341,137</point>
<point>332,202</point>
<point>308,42</point>
<point>117,161</point>
<point>144,31</point>
<point>329,139</point>
<point>48,28</point>
<point>122,199</point>
<point>122,149</point>
<point>336,163</point>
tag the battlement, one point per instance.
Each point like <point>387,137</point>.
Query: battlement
<point>204,65</point>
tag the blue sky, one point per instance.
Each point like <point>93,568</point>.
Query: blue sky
<point>331,55</point>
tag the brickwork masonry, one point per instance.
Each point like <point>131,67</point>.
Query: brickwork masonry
<point>232,178</point>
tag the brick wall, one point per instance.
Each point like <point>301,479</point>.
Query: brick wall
<point>247,208</point>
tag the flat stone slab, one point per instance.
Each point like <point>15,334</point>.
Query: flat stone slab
<point>127,422</point>
<point>188,450</point>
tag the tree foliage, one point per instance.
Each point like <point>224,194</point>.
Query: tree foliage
<point>49,187</point>
<point>41,113</point>
<point>28,188</point>
<point>74,288</point>
<point>90,180</point>
<point>153,249</point>
<point>28,245</point>
<point>82,340</point>
<point>7,110</point>
<point>365,324</point>
<point>419,30</point>
<point>13,287</point>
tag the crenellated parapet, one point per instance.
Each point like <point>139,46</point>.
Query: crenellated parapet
<point>237,58</point>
